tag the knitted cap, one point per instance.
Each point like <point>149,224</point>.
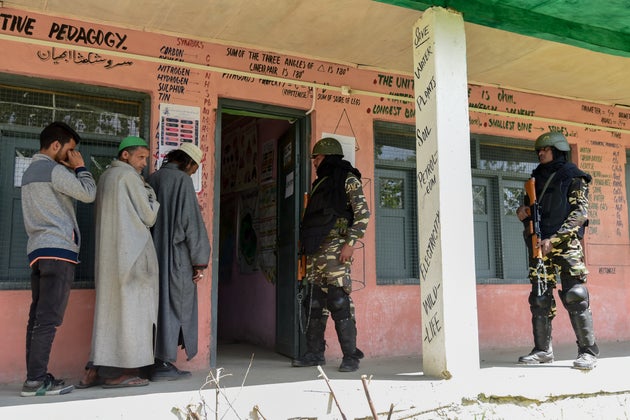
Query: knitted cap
<point>131,141</point>
<point>193,151</point>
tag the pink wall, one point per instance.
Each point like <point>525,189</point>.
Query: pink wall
<point>388,316</point>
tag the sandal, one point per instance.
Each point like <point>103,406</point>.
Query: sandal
<point>90,379</point>
<point>126,381</point>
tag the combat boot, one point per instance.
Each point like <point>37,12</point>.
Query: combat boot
<point>536,357</point>
<point>315,344</point>
<point>347,335</point>
<point>582,323</point>
<point>542,351</point>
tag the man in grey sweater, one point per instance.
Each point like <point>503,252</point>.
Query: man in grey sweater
<point>55,179</point>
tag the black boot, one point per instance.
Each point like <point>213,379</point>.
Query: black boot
<point>315,344</point>
<point>542,351</point>
<point>347,335</point>
<point>588,350</point>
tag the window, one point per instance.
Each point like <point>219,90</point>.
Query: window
<point>396,204</point>
<point>101,116</point>
<point>500,167</point>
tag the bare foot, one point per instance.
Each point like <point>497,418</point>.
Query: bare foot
<point>90,378</point>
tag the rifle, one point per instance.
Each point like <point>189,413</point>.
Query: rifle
<point>301,275</point>
<point>301,264</point>
<point>533,232</point>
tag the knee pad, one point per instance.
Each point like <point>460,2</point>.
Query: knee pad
<point>317,302</point>
<point>575,299</point>
<point>338,303</point>
<point>540,305</point>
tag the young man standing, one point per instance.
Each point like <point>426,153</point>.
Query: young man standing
<point>55,179</point>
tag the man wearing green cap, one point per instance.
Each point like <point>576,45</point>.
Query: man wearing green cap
<point>562,196</point>
<point>181,241</point>
<point>126,271</point>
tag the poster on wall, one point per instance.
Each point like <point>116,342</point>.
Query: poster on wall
<point>239,159</point>
<point>179,124</point>
<point>348,145</point>
<point>266,227</point>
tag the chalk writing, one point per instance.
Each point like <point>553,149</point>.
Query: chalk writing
<point>429,305</point>
<point>16,23</point>
<point>170,53</point>
<point>421,35</point>
<point>427,177</point>
<point>504,124</point>
<point>172,79</point>
<point>235,52</point>
<point>504,96</point>
<point>386,110</point>
<point>402,95</point>
<point>247,79</point>
<point>87,36</point>
<point>191,43</point>
<point>169,70</point>
<point>423,61</point>
<point>602,161</point>
<point>263,69</point>
<point>592,109</point>
<point>432,244</point>
<point>70,56</point>
<point>295,93</point>
<point>431,328</point>
<point>422,135</point>
<point>405,108</point>
<point>521,111</point>
<point>431,298</point>
<point>481,105</point>
<point>424,97</point>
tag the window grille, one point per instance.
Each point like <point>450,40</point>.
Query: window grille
<point>396,205</point>
<point>101,116</point>
<point>499,166</point>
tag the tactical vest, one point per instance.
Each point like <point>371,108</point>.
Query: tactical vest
<point>554,205</point>
<point>320,217</point>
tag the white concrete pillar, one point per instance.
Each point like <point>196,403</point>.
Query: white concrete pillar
<point>450,344</point>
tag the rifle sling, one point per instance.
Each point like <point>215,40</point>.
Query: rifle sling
<point>545,187</point>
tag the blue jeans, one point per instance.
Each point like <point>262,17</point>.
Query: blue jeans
<point>51,281</point>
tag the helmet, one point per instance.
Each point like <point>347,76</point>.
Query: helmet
<point>193,151</point>
<point>553,138</point>
<point>327,146</point>
<point>131,141</point>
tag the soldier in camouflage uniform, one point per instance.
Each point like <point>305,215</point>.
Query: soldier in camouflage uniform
<point>562,194</point>
<point>334,219</point>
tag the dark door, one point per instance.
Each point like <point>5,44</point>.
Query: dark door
<point>288,193</point>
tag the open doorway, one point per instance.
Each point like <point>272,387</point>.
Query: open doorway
<point>260,188</point>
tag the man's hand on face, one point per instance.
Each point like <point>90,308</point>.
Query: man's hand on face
<point>74,160</point>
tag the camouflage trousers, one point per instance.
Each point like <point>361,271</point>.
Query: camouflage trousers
<point>564,264</point>
<point>324,269</point>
